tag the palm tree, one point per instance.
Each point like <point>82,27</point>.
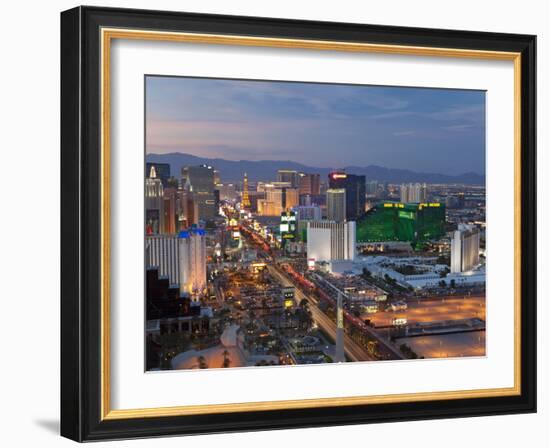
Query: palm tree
<point>304,318</point>
<point>202,362</point>
<point>226,360</point>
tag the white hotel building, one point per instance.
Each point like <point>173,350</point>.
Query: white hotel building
<point>162,251</point>
<point>181,258</point>
<point>330,241</point>
<point>192,260</point>
<point>465,248</point>
<point>413,193</point>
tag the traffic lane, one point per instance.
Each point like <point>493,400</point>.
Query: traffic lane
<point>351,348</point>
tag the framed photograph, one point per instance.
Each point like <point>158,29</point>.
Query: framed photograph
<point>276,224</point>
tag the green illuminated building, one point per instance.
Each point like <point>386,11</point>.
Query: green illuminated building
<point>395,221</point>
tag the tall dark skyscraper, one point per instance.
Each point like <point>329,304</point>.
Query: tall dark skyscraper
<point>336,204</point>
<point>309,183</point>
<point>290,176</point>
<point>355,192</point>
<point>460,200</point>
<point>201,183</point>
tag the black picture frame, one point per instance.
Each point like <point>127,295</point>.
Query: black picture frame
<point>81,224</point>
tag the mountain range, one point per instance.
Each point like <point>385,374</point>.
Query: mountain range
<point>232,171</point>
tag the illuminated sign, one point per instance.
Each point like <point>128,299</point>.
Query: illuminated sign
<point>339,176</point>
<point>406,215</point>
<point>399,321</point>
<point>288,292</point>
<point>311,264</point>
<point>430,204</point>
<point>288,217</point>
<point>288,303</point>
<point>371,308</point>
<point>258,266</point>
<point>287,226</point>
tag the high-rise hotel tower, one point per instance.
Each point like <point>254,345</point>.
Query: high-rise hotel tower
<point>336,204</point>
<point>192,260</point>
<point>181,258</point>
<point>330,240</point>
<point>465,248</point>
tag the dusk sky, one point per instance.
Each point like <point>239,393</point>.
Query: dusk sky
<point>320,125</point>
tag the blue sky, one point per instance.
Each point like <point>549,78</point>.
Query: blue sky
<point>323,125</point>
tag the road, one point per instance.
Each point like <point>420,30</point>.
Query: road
<point>353,350</point>
<point>384,344</point>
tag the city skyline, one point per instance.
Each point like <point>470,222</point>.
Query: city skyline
<point>424,130</point>
<point>252,264</point>
<point>294,271</point>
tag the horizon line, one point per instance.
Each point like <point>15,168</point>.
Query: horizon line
<point>316,167</point>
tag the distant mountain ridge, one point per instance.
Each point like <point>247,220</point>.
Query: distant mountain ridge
<point>232,171</point>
